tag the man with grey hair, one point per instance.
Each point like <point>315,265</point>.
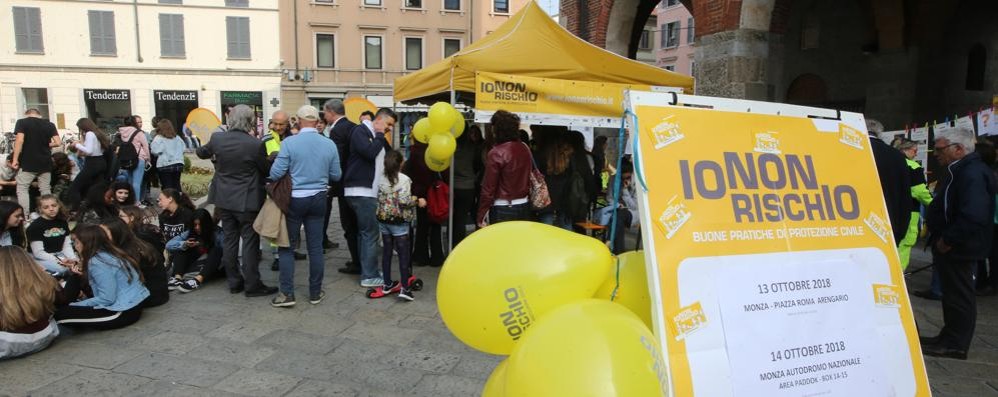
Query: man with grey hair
<point>338,128</point>
<point>237,192</point>
<point>960,221</point>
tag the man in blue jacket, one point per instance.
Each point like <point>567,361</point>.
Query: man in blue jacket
<point>313,163</point>
<point>360,188</point>
<point>960,222</point>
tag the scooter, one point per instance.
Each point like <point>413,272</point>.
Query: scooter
<point>415,284</point>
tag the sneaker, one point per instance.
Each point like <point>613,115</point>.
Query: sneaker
<point>391,288</point>
<point>371,282</point>
<point>173,283</point>
<point>406,295</point>
<point>315,299</point>
<point>189,285</point>
<point>282,300</point>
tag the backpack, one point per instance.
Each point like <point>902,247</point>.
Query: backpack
<point>437,202</point>
<point>128,157</point>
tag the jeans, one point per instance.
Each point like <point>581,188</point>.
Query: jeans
<point>624,219</point>
<point>135,177</point>
<point>24,179</point>
<point>366,209</point>
<point>556,219</point>
<point>169,176</point>
<point>397,238</point>
<point>308,211</point>
<point>505,213</point>
<point>236,226</point>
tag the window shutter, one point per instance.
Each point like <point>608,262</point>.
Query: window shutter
<point>230,36</point>
<point>110,41</point>
<point>21,39</point>
<point>178,35</point>
<point>35,29</point>
<point>94,18</point>
<point>244,37</point>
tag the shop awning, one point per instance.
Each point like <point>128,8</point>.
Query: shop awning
<point>531,44</point>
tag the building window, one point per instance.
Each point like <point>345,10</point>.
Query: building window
<point>645,43</point>
<point>976,66</point>
<point>689,31</point>
<point>372,52</point>
<point>451,47</point>
<point>102,40</point>
<point>413,3</point>
<point>810,33</point>
<point>171,35</point>
<point>238,37</point>
<point>670,35</point>
<point>671,68</point>
<point>28,30</point>
<point>500,6</point>
<point>372,3</point>
<point>36,98</point>
<point>325,51</point>
<point>413,53</point>
<point>452,5</point>
<point>171,1</point>
<point>237,3</point>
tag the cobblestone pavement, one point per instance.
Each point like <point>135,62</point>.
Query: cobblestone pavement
<point>212,343</point>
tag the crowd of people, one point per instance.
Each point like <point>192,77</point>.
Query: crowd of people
<point>99,259</point>
<point>960,218</point>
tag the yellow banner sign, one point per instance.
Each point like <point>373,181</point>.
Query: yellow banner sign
<point>777,273</point>
<point>522,94</point>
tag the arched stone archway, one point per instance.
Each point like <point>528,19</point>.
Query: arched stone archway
<point>807,89</point>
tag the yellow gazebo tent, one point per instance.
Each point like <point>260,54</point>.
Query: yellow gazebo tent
<point>531,44</point>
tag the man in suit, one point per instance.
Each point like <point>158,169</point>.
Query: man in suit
<point>338,129</point>
<point>237,192</point>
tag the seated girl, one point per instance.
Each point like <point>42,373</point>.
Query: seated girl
<point>98,205</point>
<point>196,253</point>
<point>122,194</point>
<point>114,280</point>
<point>29,297</point>
<point>48,236</point>
<point>151,262</point>
<point>11,224</point>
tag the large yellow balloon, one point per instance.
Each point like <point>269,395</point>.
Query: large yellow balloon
<point>421,130</point>
<point>633,291</point>
<point>441,147</point>
<point>587,348</point>
<point>458,128</point>
<point>202,123</point>
<point>441,116</point>
<point>435,164</point>
<point>500,280</point>
<point>497,382</point>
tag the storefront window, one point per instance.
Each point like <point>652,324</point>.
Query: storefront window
<point>253,99</point>
<point>174,106</point>
<point>108,108</point>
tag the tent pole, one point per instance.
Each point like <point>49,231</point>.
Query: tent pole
<point>450,208</point>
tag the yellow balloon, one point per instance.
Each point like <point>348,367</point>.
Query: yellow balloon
<point>587,348</point>
<point>633,291</point>
<point>458,128</point>
<point>497,381</point>
<point>501,279</point>
<point>421,130</point>
<point>441,147</point>
<point>435,164</point>
<point>441,116</point>
<point>202,123</point>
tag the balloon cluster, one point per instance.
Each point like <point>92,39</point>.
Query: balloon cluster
<point>439,130</point>
<point>541,295</point>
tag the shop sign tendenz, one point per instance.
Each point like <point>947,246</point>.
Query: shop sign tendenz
<point>748,174</point>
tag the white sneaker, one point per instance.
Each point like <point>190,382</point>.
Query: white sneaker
<point>371,282</point>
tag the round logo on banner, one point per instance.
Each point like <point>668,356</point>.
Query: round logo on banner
<point>202,122</point>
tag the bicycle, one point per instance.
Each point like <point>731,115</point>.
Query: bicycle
<point>7,142</point>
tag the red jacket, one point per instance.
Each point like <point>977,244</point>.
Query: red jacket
<point>507,175</point>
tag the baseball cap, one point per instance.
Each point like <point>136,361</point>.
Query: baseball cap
<point>308,112</point>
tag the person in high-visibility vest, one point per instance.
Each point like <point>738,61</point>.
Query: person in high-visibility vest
<point>920,195</point>
<point>280,128</point>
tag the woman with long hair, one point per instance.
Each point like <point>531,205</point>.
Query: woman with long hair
<point>95,142</point>
<point>132,132</point>
<point>48,236</point>
<point>98,205</point>
<point>169,152</point>
<point>63,172</point>
<point>28,297</point>
<point>151,262</point>
<point>12,225</point>
<point>122,193</point>
<point>396,211</point>
<point>176,218</point>
<point>505,194</point>
<point>196,253</point>
<point>114,279</point>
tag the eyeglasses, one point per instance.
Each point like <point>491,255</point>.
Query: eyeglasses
<point>942,148</point>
